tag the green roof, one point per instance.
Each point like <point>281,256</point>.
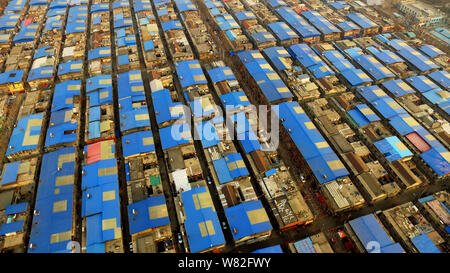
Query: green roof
<point>155,180</point>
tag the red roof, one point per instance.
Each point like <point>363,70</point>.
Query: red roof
<point>93,153</point>
<point>418,142</point>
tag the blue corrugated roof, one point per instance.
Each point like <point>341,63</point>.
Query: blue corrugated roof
<point>431,50</point>
<point>249,141</point>
<point>234,100</point>
<point>98,82</point>
<point>42,72</point>
<point>388,57</point>
<point>282,31</point>
<point>424,244</point>
<point>213,4</point>
<point>421,83</point>
<point>244,15</point>
<point>70,67</point>
<point>76,20</point>
<point>322,24</point>
<point>13,76</point>
<point>52,227</point>
<point>417,60</point>
<point>99,97</point>
<point>388,108</point>
<point>130,84</point>
<point>398,88</point>
<point>368,229</point>
<point>119,4</point>
<point>185,5</point>
<point>445,106</point>
<point>61,129</point>
<point>373,67</point>
<point>305,55</point>
<point>241,122</point>
<point>339,5</point>
<point>134,118</point>
<point>5,37</point>
<point>392,148</point>
<point>38,2</point>
<point>442,78</point>
<point>26,33</point>
<point>9,21</point>
<point>190,73</point>
<point>437,96</point>
<point>57,5</point>
<point>42,52</point>
<point>354,52</point>
<point>169,25</point>
<point>99,7</point>
<point>263,37</point>
<point>398,44</point>
<point>223,73</point>
<point>321,70</point>
<point>270,249</point>
<point>26,135</point>
<point>338,60</point>
<point>230,167</point>
<point>120,21</point>
<point>207,134</point>
<point>226,22</point>
<point>138,143</point>
<point>100,201</point>
<point>275,54</point>
<point>442,34</point>
<point>11,227</point>
<point>347,26</point>
<point>356,77</point>
<point>267,79</point>
<point>372,93</point>
<point>311,144</point>
<point>361,20</point>
<point>436,161</point>
<point>91,177</point>
<point>202,225</point>
<point>297,22</point>
<point>14,6</point>
<point>363,115</point>
<point>426,199</point>
<point>247,219</point>
<point>99,52</point>
<point>140,214</point>
<point>16,208</point>
<point>177,134</point>
<point>276,3</point>
<point>53,23</point>
<point>165,108</point>
<point>10,172</point>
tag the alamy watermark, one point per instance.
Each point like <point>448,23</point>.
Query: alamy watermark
<point>243,123</point>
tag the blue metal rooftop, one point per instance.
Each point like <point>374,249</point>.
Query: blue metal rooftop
<point>138,143</point>
<point>247,219</point>
<point>368,229</point>
<point>147,214</point>
<point>282,31</point>
<point>190,73</point>
<point>52,226</point>
<point>202,224</point>
<point>267,79</point>
<point>314,148</point>
<point>297,22</point>
<point>361,20</point>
